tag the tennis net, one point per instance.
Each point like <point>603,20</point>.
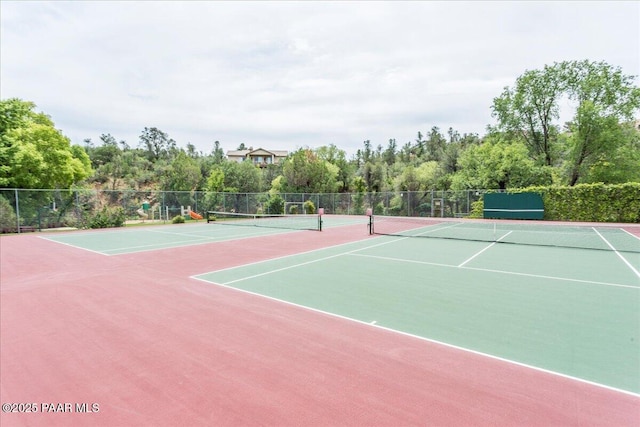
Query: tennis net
<point>609,238</point>
<point>289,222</point>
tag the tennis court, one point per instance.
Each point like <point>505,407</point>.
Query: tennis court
<point>150,238</point>
<point>485,324</point>
<point>570,311</point>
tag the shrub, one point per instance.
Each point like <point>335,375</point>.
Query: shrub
<point>8,219</point>
<point>178,219</point>
<point>477,209</point>
<point>309,207</point>
<point>107,217</point>
<point>275,205</point>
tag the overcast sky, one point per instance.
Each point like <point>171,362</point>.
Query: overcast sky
<point>285,75</point>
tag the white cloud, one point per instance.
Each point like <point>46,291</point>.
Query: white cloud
<point>292,74</point>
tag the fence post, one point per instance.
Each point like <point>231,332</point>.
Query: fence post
<point>17,209</point>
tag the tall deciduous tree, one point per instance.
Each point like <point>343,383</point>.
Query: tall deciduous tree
<point>157,144</point>
<point>530,109</point>
<point>500,164</point>
<point>304,171</point>
<point>243,177</point>
<point>618,167</point>
<point>606,98</point>
<point>183,174</point>
<point>335,156</point>
<point>33,153</point>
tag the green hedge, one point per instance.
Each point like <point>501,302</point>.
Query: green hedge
<point>586,202</point>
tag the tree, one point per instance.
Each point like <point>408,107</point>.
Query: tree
<point>217,153</point>
<point>390,153</point>
<point>215,181</point>
<point>34,153</point>
<point>435,145</point>
<point>420,145</point>
<point>183,174</point>
<point>304,171</point>
<point>422,178</point>
<point>337,157</point>
<point>620,166</point>
<point>243,177</point>
<point>605,98</point>
<point>498,163</point>
<point>157,144</point>
<point>529,110</point>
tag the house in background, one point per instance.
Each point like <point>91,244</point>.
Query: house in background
<point>259,157</point>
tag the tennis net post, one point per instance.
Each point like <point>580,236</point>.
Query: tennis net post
<point>370,224</point>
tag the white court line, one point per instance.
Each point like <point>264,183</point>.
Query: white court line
<point>184,243</point>
<point>478,253</point>
<point>283,257</point>
<point>194,241</point>
<point>225,230</point>
<point>354,253</point>
<point>430,340</point>
<point>539,276</point>
<point>73,246</point>
<point>302,263</point>
<point>617,253</point>
<point>630,234</point>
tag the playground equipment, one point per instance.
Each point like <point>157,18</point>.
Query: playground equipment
<point>143,212</point>
<point>188,212</point>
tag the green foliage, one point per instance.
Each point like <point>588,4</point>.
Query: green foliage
<point>604,99</point>
<point>34,153</point>
<point>107,217</point>
<point>593,202</point>
<point>215,181</point>
<point>477,209</point>
<point>183,174</point>
<point>309,207</point>
<point>8,219</point>
<point>157,144</point>
<point>396,205</point>
<point>620,166</point>
<point>274,205</point>
<point>304,171</point>
<point>117,167</point>
<point>178,219</point>
<point>498,164</point>
<point>242,177</point>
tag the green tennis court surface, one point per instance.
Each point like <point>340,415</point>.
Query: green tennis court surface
<point>575,312</point>
<point>149,238</point>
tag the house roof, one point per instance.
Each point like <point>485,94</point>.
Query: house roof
<point>245,153</point>
<point>237,153</point>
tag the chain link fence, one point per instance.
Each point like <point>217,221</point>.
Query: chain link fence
<point>28,210</point>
